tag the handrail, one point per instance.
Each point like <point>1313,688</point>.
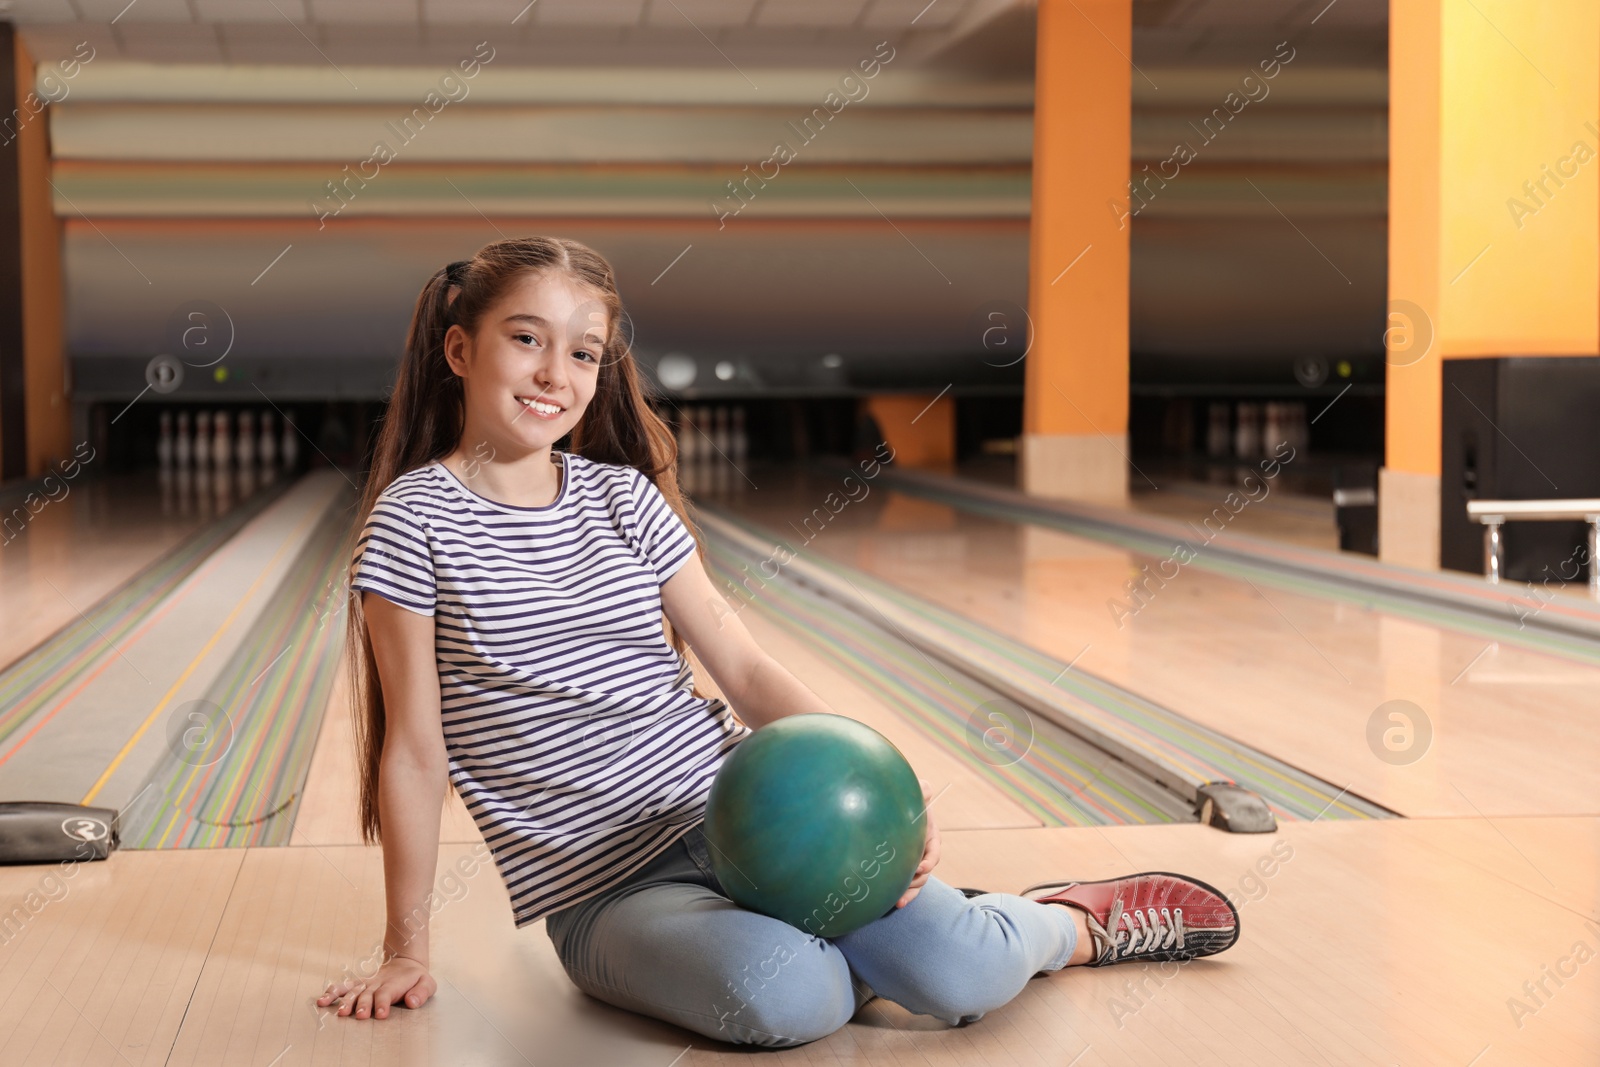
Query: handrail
<point>1482,510</point>
<point>1495,513</point>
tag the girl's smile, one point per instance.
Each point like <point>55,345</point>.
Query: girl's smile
<point>541,409</point>
<point>541,347</point>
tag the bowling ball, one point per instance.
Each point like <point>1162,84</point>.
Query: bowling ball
<point>817,820</point>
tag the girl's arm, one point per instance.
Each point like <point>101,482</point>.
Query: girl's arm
<point>758,686</point>
<point>412,773</point>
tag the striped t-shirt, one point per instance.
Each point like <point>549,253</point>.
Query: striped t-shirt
<point>572,732</point>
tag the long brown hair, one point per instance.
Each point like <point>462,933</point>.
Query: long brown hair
<point>426,415</point>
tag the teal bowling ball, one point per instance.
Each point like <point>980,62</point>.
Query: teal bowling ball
<point>817,820</point>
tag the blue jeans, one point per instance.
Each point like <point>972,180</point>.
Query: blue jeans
<point>666,942</point>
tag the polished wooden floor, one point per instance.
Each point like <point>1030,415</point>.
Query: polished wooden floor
<point>1465,934</point>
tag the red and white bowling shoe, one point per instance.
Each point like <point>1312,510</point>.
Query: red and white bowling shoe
<point>1153,917</point>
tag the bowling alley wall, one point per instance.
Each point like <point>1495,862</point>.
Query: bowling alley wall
<point>185,185</point>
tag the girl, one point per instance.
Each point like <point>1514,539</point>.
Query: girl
<point>509,638</point>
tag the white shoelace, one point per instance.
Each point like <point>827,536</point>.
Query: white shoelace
<point>1130,933</point>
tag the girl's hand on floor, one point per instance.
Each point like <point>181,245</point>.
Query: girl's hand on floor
<point>930,854</point>
<point>400,981</point>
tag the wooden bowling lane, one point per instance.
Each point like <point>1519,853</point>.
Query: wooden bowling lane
<point>93,737</point>
<point>79,545</point>
<point>1370,942</point>
<point>866,623</point>
<point>1486,728</point>
<point>1300,520</point>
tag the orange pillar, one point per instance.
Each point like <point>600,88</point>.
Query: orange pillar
<point>1494,217</point>
<point>1075,402</point>
<point>35,417</point>
<point>44,339</point>
<point>920,428</point>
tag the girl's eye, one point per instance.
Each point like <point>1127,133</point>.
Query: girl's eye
<point>591,356</point>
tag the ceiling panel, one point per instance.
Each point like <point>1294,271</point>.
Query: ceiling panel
<point>32,12</point>
<point>398,12</point>
<point>251,10</point>
<point>282,32</point>
<point>810,13</point>
<point>127,14</point>
<point>706,14</point>
<point>923,14</point>
<point>587,12</point>
<point>662,33</point>
<point>149,35</point>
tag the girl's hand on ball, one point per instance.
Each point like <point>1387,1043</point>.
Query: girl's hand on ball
<point>930,854</point>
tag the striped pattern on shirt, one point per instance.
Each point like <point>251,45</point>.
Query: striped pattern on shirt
<point>572,732</point>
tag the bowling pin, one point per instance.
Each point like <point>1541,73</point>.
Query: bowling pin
<point>202,491</point>
<point>741,443</point>
<point>741,449</point>
<point>723,432</point>
<point>1217,443</point>
<point>719,458</point>
<point>708,449</point>
<point>202,440</point>
<point>1247,432</point>
<point>185,491</point>
<point>289,449</point>
<point>245,450</point>
<point>687,438</point>
<point>167,478</point>
<point>221,442</point>
<point>183,444</point>
<point>222,487</point>
<point>689,448</point>
<point>267,444</point>
<point>164,443</point>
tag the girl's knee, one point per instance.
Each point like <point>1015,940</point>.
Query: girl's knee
<point>782,1022</point>
<point>961,995</point>
<point>797,994</point>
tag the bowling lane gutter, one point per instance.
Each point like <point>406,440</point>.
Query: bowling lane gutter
<point>1225,801</point>
<point>1562,626</point>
